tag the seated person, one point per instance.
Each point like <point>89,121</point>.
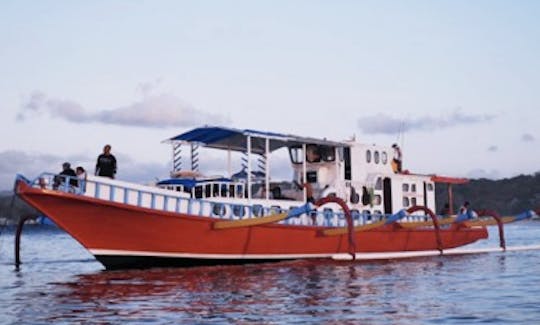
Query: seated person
<point>61,178</point>
<point>312,154</point>
<point>81,177</point>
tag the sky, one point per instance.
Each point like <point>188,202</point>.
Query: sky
<point>455,83</point>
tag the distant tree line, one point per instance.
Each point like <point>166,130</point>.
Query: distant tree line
<point>507,196</point>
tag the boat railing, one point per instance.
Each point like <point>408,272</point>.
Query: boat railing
<point>174,201</point>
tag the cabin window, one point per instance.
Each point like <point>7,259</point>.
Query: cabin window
<point>430,187</point>
<point>341,154</point>
<point>405,187</point>
<point>378,214</point>
<point>377,199</point>
<point>406,201</point>
<point>198,191</point>
<point>238,210</point>
<point>313,154</point>
<point>297,155</point>
<point>355,214</point>
<point>413,201</point>
<point>368,156</point>
<point>355,197</point>
<point>378,184</point>
<point>376,157</point>
<point>258,210</point>
<point>413,187</point>
<point>384,157</point>
<point>328,154</point>
<point>311,177</point>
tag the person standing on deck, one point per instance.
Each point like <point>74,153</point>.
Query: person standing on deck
<point>106,163</point>
<point>397,158</point>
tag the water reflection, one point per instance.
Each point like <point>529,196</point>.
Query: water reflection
<point>454,289</point>
<point>303,290</point>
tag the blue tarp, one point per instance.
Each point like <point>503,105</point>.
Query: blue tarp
<point>236,139</point>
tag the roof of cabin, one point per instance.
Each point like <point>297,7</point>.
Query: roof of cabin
<point>236,139</point>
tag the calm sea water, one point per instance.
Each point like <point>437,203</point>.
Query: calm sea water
<point>60,282</point>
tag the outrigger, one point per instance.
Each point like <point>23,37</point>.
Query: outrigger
<point>345,200</point>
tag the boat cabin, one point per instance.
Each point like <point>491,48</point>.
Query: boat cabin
<point>361,174</point>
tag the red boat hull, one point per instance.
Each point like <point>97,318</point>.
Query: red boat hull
<point>123,236</point>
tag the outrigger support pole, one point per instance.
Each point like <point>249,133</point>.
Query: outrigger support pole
<point>18,239</point>
<point>500,224</point>
<point>348,217</point>
<point>435,223</point>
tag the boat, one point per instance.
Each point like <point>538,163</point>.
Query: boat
<point>345,198</point>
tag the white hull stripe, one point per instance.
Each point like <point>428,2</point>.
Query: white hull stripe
<point>341,256</point>
<point>113,252</point>
<point>411,254</point>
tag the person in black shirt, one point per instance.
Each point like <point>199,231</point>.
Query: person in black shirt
<point>61,178</point>
<point>106,163</point>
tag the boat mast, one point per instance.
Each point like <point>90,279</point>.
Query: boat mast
<point>229,167</point>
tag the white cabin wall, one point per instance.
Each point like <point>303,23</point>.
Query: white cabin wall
<point>410,189</point>
<point>360,166</point>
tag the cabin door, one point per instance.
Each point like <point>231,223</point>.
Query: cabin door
<point>425,196</point>
<point>387,192</point>
<point>347,158</point>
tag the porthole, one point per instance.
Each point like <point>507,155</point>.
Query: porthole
<point>405,187</point>
<point>218,209</point>
<point>413,187</point>
<point>377,199</point>
<point>384,157</point>
<point>275,209</point>
<point>328,214</point>
<point>376,157</point>
<point>413,201</point>
<point>258,210</point>
<point>355,214</point>
<point>367,215</point>
<point>368,156</point>
<point>238,211</point>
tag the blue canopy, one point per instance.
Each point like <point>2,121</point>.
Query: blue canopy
<point>236,139</point>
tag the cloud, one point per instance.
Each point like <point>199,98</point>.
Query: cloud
<point>527,137</point>
<point>385,124</point>
<point>493,149</point>
<point>31,165</point>
<point>156,111</point>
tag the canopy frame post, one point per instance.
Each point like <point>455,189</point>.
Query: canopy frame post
<point>248,177</point>
<point>304,171</point>
<point>267,169</point>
